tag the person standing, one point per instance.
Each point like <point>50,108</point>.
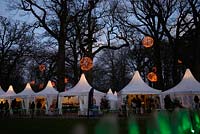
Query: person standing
<point>6,106</point>
<point>39,106</point>
<point>32,108</point>
<point>196,100</point>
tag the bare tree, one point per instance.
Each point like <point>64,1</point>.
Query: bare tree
<point>16,43</point>
<point>58,18</point>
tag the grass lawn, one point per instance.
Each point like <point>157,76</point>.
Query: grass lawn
<point>62,126</point>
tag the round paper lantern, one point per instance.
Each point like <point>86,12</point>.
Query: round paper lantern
<point>66,80</point>
<point>147,41</point>
<point>179,61</point>
<point>32,82</point>
<point>42,67</point>
<point>154,69</point>
<point>41,86</point>
<point>53,83</point>
<point>86,63</point>
<point>152,77</point>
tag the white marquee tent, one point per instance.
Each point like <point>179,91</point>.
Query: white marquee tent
<point>185,89</point>
<point>9,94</point>
<point>112,99</point>
<point>188,85</point>
<point>1,91</point>
<point>138,86</point>
<point>28,96</point>
<point>82,89</point>
<point>49,93</point>
<point>27,92</point>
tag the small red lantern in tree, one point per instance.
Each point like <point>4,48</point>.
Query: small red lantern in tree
<point>32,82</point>
<point>86,63</point>
<point>66,80</point>
<point>154,69</point>
<point>152,77</point>
<point>41,86</point>
<point>42,67</point>
<point>53,83</point>
<point>179,61</point>
<point>147,42</point>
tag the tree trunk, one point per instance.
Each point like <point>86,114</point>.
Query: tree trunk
<point>61,65</point>
<point>159,84</point>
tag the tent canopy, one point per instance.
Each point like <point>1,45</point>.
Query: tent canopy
<point>188,85</point>
<point>82,88</point>
<point>48,91</point>
<point>110,95</point>
<point>1,91</point>
<point>9,93</point>
<point>138,86</point>
<point>27,92</point>
<point>96,92</point>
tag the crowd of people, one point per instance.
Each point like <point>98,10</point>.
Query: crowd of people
<point>4,109</point>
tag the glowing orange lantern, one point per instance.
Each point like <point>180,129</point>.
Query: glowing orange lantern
<point>53,83</point>
<point>86,63</point>
<point>152,77</point>
<point>66,80</point>
<point>42,67</point>
<point>154,69</point>
<point>32,82</point>
<point>147,41</point>
<point>41,86</point>
<point>179,61</point>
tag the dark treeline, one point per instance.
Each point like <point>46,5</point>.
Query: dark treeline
<point>109,32</point>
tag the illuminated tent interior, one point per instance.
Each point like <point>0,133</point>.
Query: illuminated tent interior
<point>137,87</point>
<point>81,89</point>
<point>1,92</point>
<point>10,95</point>
<point>27,95</point>
<point>48,97</point>
<point>185,90</point>
<point>112,99</point>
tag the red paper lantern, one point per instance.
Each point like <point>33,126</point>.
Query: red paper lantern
<point>32,82</point>
<point>41,86</point>
<point>66,80</point>
<point>86,63</point>
<point>147,41</point>
<point>152,77</point>
<point>154,69</point>
<point>42,67</point>
<point>179,61</point>
<point>53,83</point>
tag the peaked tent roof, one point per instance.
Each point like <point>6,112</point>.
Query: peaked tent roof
<point>27,91</point>
<point>96,92</point>
<point>115,93</point>
<point>9,93</point>
<point>188,85</point>
<point>49,90</point>
<point>110,91</point>
<point>80,89</point>
<point>110,95</point>
<point>138,86</point>
<point>1,91</point>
